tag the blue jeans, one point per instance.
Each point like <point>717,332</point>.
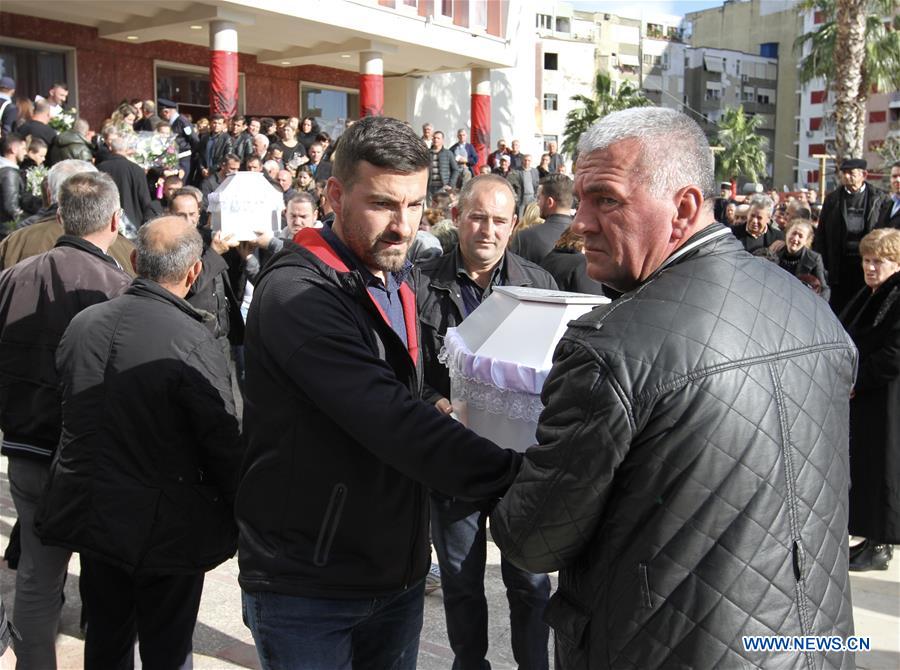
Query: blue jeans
<point>458,531</point>
<point>296,633</point>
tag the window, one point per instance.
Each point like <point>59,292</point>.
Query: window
<point>816,149</point>
<point>815,122</point>
<point>563,24</point>
<point>819,17</point>
<point>769,49</point>
<point>545,21</point>
<point>36,70</point>
<point>877,117</point>
<point>875,145</point>
<point>551,103</point>
<point>817,97</point>
<point>551,61</point>
<point>331,107</point>
<point>762,99</point>
<point>713,94</point>
<point>188,87</point>
<point>748,95</point>
<point>651,61</point>
<point>655,30</point>
<point>548,139</point>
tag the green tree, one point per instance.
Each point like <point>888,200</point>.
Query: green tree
<point>869,48</point>
<point>602,102</point>
<point>743,149</point>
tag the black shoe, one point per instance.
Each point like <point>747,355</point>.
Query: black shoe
<point>857,549</point>
<point>873,557</point>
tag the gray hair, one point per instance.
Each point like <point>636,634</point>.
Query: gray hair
<point>87,202</point>
<point>118,144</point>
<point>762,202</point>
<point>62,171</point>
<point>81,126</point>
<point>262,139</point>
<point>674,151</point>
<point>166,259</point>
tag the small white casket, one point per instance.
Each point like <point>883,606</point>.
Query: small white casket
<point>244,203</point>
<point>500,356</point>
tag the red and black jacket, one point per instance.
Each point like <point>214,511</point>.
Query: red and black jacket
<point>341,450</point>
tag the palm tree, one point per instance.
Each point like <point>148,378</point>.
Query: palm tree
<point>596,107</point>
<point>743,149</point>
<point>869,56</point>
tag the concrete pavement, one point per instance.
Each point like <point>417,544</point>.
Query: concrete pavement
<point>222,641</point>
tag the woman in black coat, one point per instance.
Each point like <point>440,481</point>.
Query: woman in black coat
<point>567,265</point>
<point>873,320</point>
<point>798,258</point>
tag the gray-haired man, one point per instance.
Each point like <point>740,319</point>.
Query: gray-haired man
<point>691,475</point>
<point>38,299</point>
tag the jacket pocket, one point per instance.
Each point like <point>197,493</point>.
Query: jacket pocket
<point>568,619</point>
<point>329,525</point>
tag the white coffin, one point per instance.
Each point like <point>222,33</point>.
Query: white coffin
<point>245,203</point>
<point>500,356</point>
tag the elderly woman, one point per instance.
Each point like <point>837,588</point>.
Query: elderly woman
<point>798,258</point>
<point>873,320</point>
<point>757,233</point>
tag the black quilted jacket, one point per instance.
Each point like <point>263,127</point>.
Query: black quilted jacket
<point>690,482</point>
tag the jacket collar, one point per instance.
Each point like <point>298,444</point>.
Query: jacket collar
<point>690,248</point>
<point>83,245</point>
<point>313,241</point>
<point>148,288</point>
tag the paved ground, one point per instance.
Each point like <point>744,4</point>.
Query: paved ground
<point>221,640</point>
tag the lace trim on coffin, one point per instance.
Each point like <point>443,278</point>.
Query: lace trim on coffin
<point>493,400</point>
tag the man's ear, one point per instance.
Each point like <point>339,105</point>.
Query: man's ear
<point>454,215</point>
<point>688,205</point>
<point>134,259</point>
<point>114,222</point>
<point>193,273</point>
<point>334,189</point>
<point>515,222</point>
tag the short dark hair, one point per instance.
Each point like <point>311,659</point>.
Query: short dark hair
<point>60,84</point>
<point>559,187</point>
<point>217,117</point>
<point>7,143</point>
<point>323,137</point>
<point>231,157</point>
<point>238,117</point>
<point>895,164</point>
<point>172,178</point>
<point>383,142</point>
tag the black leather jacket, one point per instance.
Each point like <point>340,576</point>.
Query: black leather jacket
<point>691,478</point>
<point>10,195</point>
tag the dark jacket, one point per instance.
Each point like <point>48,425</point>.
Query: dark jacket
<point>146,123</point>
<point>70,144</point>
<point>134,194</point>
<point>186,139</point>
<point>765,240</point>
<point>322,170</point>
<point>440,306</point>
<point>38,299</point>
<point>885,220</point>
<point>339,443</point>
<point>221,146</point>
<point>11,192</point>
<point>242,146</point>
<point>691,479</point>
<point>569,269</point>
<point>831,233</point>
<point>37,129</point>
<point>147,467</point>
<point>447,169</point>
<point>212,294</point>
<point>536,242</point>
<point>873,321</point>
<point>809,263</point>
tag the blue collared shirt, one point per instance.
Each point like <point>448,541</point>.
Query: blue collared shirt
<point>896,206</point>
<point>387,296</point>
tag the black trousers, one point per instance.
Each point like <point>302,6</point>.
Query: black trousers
<point>160,610</point>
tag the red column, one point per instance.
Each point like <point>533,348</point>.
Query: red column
<point>223,68</point>
<point>481,113</point>
<point>371,84</point>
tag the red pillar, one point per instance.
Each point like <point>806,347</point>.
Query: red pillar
<point>481,113</point>
<point>371,84</point>
<point>223,68</point>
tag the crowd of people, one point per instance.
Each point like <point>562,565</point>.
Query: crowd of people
<point>662,485</point>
